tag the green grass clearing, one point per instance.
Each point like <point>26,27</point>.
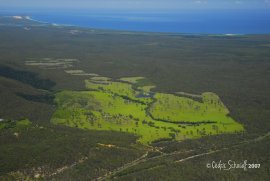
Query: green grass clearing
<point>123,107</point>
<point>7,124</point>
<point>131,79</point>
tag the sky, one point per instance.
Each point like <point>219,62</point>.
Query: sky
<point>136,5</point>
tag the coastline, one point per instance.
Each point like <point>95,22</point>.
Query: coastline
<point>123,31</point>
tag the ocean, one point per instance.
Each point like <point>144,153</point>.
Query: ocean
<point>191,22</point>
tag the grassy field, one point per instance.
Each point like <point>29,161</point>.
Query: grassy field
<point>121,106</point>
<point>182,109</point>
<point>7,124</point>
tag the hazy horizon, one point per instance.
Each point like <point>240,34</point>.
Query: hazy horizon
<point>136,5</point>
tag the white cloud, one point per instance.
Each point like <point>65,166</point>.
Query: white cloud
<point>200,2</point>
<point>238,2</point>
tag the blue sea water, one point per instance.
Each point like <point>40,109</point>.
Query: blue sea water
<point>197,22</point>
